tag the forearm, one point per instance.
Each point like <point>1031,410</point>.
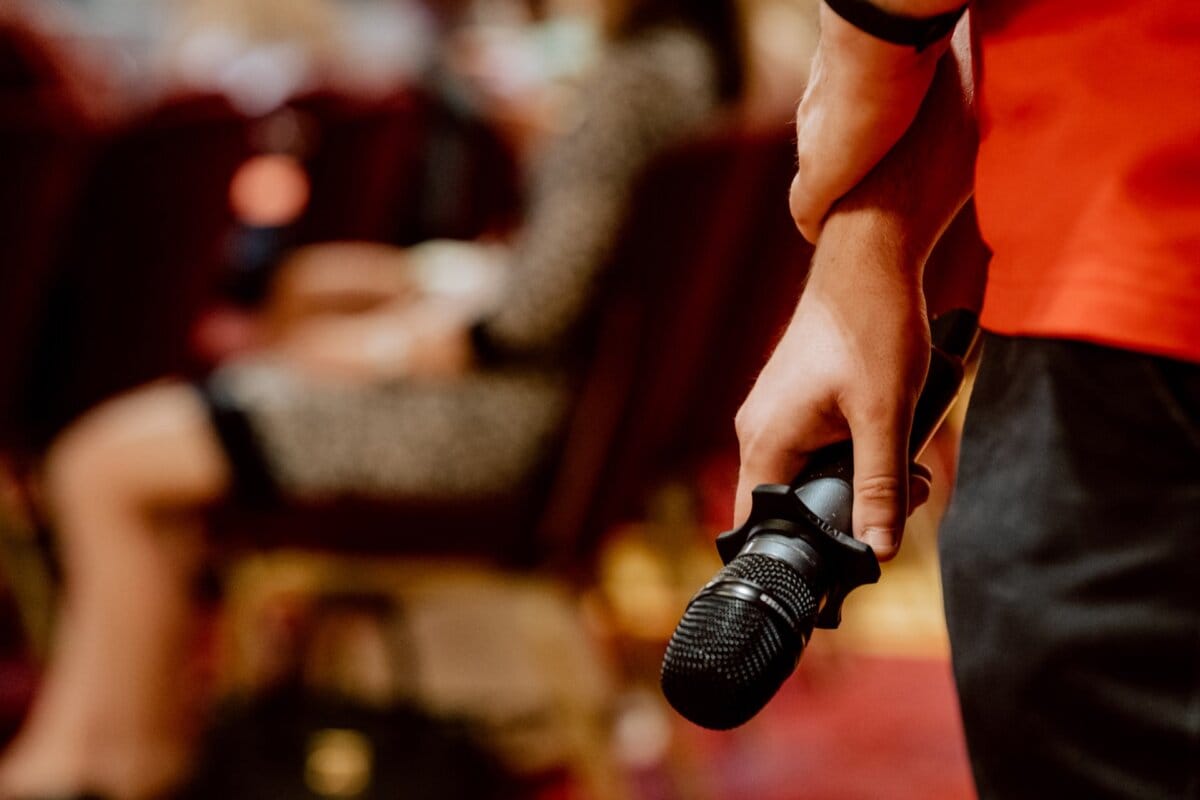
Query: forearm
<point>863,95</point>
<point>335,278</point>
<point>428,339</point>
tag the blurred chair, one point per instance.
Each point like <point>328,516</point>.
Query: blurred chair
<point>141,258</point>
<point>28,60</point>
<point>364,161</point>
<point>681,335</point>
<point>774,260</point>
<point>44,133</point>
<point>44,140</point>
<point>470,182</point>
<point>45,136</point>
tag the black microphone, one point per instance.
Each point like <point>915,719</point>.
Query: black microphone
<point>790,566</point>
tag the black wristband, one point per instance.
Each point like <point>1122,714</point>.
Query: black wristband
<point>918,32</point>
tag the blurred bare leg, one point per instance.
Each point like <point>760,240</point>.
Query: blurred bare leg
<point>110,716</point>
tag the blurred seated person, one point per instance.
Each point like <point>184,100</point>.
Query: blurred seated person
<point>385,398</point>
<point>494,85</point>
<point>517,71</point>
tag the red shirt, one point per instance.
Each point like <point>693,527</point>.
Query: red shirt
<point>1088,183</point>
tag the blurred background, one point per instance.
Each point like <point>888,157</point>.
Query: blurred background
<point>178,178</point>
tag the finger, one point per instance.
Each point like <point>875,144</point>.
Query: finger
<point>779,466</point>
<point>919,488</point>
<point>880,482</point>
<point>918,470</point>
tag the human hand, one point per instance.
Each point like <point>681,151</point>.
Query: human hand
<point>438,344</point>
<point>338,278</point>
<point>863,94</point>
<point>426,340</point>
<point>850,365</point>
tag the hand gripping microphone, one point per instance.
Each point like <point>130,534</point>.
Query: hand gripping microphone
<point>790,566</point>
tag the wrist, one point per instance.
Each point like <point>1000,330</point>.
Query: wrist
<point>868,246</point>
<point>863,96</point>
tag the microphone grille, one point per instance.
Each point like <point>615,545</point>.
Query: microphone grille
<point>729,656</point>
<point>780,580</point>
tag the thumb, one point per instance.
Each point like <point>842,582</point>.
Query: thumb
<point>880,482</point>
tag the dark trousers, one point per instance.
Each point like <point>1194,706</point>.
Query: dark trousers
<point>1071,568</point>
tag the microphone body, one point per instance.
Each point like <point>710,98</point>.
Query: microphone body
<point>789,568</point>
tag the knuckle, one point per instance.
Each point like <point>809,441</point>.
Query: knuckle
<point>757,439</point>
<point>880,488</point>
<point>882,410</point>
<point>802,212</point>
<point>746,425</point>
<point>800,200</point>
<point>741,424</point>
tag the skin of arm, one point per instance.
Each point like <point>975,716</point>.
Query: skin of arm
<point>336,277</point>
<point>863,93</point>
<point>854,357</point>
<point>423,340</point>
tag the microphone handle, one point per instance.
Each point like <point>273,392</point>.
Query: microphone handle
<point>955,335</point>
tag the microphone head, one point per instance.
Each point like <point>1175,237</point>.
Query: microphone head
<point>729,655</point>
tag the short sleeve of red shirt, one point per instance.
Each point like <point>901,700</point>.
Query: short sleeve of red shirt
<point>1088,183</point>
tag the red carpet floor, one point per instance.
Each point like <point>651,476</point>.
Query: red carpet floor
<point>846,727</point>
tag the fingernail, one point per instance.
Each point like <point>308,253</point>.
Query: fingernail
<point>879,538</point>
